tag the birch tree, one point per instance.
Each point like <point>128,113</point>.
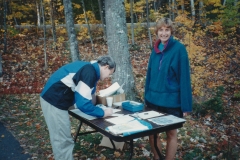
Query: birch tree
<point>117,41</point>
<point>72,38</point>
<point>192,10</point>
<point>224,2</point>
<point>38,13</point>
<point>44,34</point>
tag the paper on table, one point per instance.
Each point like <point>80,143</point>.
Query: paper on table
<point>116,114</point>
<point>166,120</point>
<point>148,114</point>
<point>120,119</point>
<point>116,110</point>
<point>132,126</point>
<point>84,115</point>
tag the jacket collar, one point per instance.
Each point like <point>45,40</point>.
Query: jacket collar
<point>156,49</point>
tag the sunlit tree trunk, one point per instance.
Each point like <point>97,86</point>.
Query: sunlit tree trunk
<point>192,10</point>
<point>44,34</point>
<point>132,23</point>
<point>117,41</point>
<point>102,15</point>
<point>86,20</point>
<point>38,14</point>
<point>148,26</point>
<point>52,17</point>
<point>224,2</point>
<point>72,38</point>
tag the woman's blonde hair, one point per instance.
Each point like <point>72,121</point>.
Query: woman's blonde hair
<point>166,22</point>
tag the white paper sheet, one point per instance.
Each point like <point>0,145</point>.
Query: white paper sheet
<point>120,119</point>
<point>166,120</point>
<point>117,115</point>
<point>110,90</point>
<point>147,114</point>
<point>131,126</point>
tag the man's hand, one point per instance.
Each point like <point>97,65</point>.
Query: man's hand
<point>108,112</point>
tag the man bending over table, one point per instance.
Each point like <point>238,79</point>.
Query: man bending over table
<point>72,84</point>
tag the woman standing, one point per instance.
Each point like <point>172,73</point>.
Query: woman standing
<point>168,85</point>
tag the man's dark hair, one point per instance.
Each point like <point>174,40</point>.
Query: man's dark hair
<point>107,60</point>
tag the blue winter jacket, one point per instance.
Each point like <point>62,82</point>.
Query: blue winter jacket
<point>72,84</point>
<point>168,77</point>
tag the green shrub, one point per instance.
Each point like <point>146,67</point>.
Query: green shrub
<point>214,104</point>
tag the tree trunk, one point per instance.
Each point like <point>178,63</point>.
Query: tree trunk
<point>1,69</point>
<point>52,17</point>
<point>117,41</point>
<point>148,26</point>
<point>200,10</point>
<point>224,2</point>
<point>5,26</point>
<point>193,10</point>
<point>182,6</point>
<point>132,23</point>
<point>170,11</point>
<point>173,9</point>
<point>38,14</point>
<point>235,2</point>
<point>44,34</point>
<point>72,38</point>
<point>102,15</point>
<point>88,27</point>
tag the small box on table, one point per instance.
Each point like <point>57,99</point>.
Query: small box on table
<point>116,98</point>
<point>132,106</point>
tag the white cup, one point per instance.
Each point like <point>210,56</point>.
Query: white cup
<point>109,101</point>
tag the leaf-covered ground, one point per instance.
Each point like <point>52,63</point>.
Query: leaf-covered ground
<point>214,136</point>
<point>203,138</point>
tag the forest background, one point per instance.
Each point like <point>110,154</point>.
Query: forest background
<point>35,43</point>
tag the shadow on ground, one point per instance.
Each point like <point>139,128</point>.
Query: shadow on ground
<point>10,148</point>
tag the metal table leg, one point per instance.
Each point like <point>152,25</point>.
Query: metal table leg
<point>114,147</point>
<point>79,127</point>
<point>131,149</point>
